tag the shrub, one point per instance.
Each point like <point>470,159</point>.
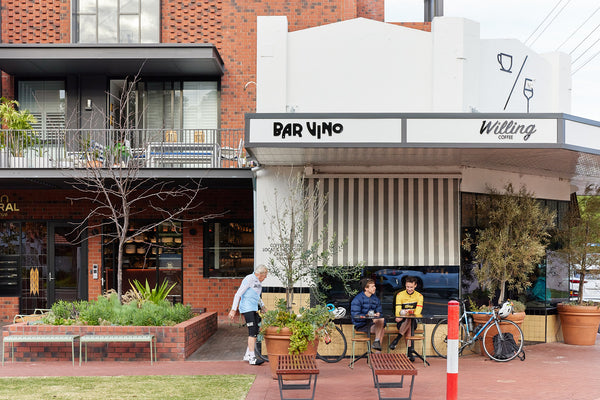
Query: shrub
<point>109,311</point>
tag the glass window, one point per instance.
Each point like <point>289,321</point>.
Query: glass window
<point>177,104</point>
<point>229,249</point>
<point>155,256</point>
<point>117,21</point>
<point>46,101</point>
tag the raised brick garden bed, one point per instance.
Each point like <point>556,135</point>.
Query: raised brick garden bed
<point>173,343</point>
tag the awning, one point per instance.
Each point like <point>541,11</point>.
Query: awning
<point>554,145</point>
<point>159,59</point>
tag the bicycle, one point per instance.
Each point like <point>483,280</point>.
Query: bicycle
<point>332,346</point>
<point>468,336</point>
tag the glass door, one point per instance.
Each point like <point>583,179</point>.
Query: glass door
<point>64,263</point>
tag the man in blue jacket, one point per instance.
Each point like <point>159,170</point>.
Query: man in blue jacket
<point>366,310</point>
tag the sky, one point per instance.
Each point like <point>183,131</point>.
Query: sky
<point>569,26</point>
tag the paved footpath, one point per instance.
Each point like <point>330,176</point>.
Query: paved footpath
<point>550,371</point>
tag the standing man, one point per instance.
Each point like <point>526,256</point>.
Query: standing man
<point>408,301</point>
<point>365,307</point>
<point>249,301</point>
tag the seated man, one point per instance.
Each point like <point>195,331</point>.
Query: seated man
<point>365,308</point>
<point>408,301</point>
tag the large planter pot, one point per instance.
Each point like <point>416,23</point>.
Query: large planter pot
<point>480,319</point>
<point>579,323</point>
<point>278,343</point>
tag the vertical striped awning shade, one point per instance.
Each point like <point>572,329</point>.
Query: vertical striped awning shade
<point>392,221</point>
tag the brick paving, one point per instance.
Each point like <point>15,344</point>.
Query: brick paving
<point>550,371</point>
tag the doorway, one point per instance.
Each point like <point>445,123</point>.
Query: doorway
<point>64,263</point>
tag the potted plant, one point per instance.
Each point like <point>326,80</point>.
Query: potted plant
<point>580,237</point>
<point>510,243</point>
<point>16,134</point>
<point>293,257</point>
<point>291,333</point>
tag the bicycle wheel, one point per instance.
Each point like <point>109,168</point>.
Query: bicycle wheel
<point>335,350</point>
<point>439,337</point>
<point>511,328</point>
<point>258,351</point>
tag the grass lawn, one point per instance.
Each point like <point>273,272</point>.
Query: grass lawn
<point>214,387</point>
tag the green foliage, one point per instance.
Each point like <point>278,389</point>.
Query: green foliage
<point>18,122</point>
<point>109,311</point>
<point>580,237</point>
<point>295,255</point>
<point>155,294</point>
<point>308,325</point>
<point>512,242</point>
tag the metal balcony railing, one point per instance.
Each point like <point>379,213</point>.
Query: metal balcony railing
<point>125,148</point>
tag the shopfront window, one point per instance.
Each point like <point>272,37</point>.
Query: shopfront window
<point>155,256</point>
<point>229,249</point>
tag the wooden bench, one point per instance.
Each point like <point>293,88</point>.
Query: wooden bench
<point>119,338</point>
<point>38,339</point>
<point>297,364</point>
<point>392,364</point>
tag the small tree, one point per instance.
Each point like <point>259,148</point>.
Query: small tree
<point>512,241</point>
<point>580,237</point>
<point>294,254</point>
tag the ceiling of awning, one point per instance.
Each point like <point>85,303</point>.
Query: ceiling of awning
<point>162,59</point>
<point>554,162</point>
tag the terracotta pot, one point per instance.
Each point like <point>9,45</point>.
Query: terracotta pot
<point>278,343</point>
<point>579,323</point>
<point>480,319</point>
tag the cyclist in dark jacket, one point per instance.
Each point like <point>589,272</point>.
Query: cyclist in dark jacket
<point>365,308</point>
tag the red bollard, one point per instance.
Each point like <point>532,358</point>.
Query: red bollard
<point>452,355</point>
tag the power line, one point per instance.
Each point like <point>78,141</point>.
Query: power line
<point>585,51</point>
<point>550,23</point>
<point>585,63</point>
<point>541,23</point>
<point>577,30</point>
<point>584,39</point>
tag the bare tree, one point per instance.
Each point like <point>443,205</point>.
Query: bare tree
<point>108,178</point>
<point>297,250</point>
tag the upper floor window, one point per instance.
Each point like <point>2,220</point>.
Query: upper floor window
<point>116,21</point>
<point>46,101</point>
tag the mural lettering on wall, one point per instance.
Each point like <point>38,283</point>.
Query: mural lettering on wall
<point>315,129</point>
<point>6,206</point>
<point>505,61</point>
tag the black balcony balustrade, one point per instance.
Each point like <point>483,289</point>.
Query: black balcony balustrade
<point>123,148</point>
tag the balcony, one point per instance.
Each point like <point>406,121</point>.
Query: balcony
<point>133,149</point>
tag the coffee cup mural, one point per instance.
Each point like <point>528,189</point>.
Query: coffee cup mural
<point>505,61</point>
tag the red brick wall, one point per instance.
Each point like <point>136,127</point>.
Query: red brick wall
<point>9,307</point>
<point>173,343</point>
<point>47,21</point>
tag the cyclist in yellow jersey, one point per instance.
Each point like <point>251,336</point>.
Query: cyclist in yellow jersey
<point>408,301</point>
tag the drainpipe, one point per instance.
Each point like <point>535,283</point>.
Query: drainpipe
<point>433,8</point>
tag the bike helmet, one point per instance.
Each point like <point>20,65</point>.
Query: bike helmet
<point>505,310</point>
<point>339,312</point>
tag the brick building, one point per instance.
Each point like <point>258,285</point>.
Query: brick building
<point>169,80</point>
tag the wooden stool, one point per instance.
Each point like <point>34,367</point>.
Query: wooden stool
<point>360,337</point>
<point>420,335</point>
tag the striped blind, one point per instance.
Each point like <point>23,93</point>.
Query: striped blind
<point>392,221</point>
